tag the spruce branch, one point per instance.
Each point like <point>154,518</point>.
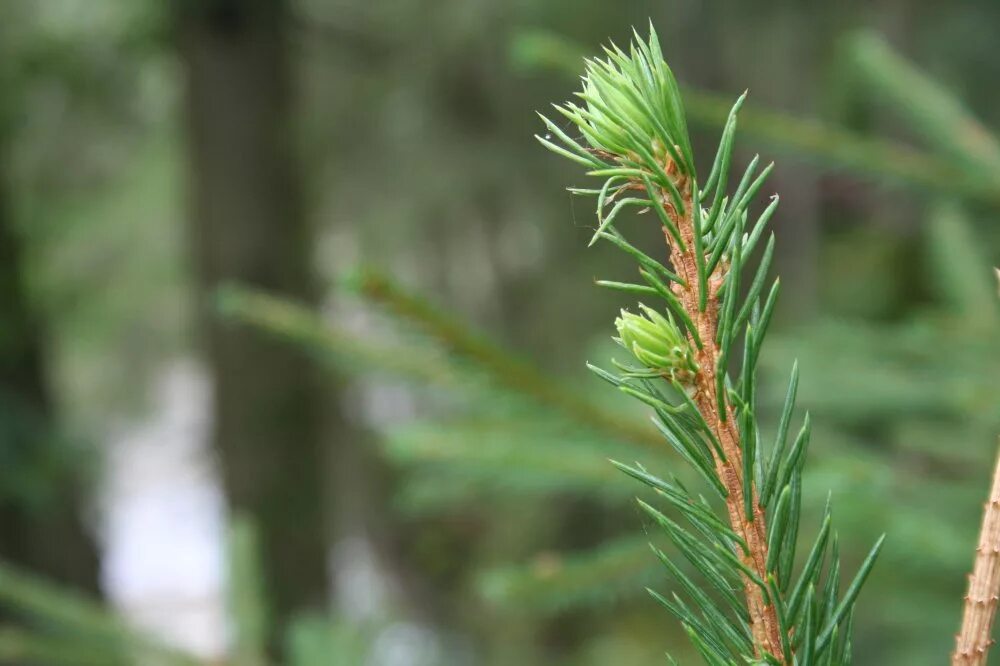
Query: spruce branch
<point>634,136</point>
<point>699,299</point>
<point>974,638</point>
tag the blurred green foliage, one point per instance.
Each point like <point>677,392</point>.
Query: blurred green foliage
<point>67,629</point>
<point>416,125</point>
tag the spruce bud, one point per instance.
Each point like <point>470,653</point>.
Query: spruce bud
<point>657,343</point>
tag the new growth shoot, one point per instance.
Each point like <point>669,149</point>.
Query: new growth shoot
<point>739,592</point>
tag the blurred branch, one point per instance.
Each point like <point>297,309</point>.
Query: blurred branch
<point>18,647</point>
<point>963,276</point>
<point>508,370</point>
<point>513,453</point>
<point>933,111</point>
<point>874,157</point>
<point>95,634</point>
<point>302,326</point>
<point>552,581</point>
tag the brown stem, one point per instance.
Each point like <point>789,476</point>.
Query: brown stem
<point>973,640</point>
<point>763,619</point>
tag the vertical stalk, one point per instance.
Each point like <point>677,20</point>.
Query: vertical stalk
<point>973,640</point>
<point>763,619</point>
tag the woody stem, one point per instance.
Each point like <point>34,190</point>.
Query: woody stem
<point>974,638</point>
<point>763,618</point>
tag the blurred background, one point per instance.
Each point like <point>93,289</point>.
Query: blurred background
<point>294,312</point>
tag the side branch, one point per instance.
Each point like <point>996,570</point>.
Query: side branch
<point>974,638</point>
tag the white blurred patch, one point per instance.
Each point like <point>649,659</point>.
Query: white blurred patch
<point>163,524</point>
<point>405,644</point>
<point>163,517</point>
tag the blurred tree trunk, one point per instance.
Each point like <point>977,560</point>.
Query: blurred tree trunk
<point>248,227</point>
<point>41,499</point>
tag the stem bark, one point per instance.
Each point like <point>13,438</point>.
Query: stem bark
<point>763,619</point>
<point>974,637</point>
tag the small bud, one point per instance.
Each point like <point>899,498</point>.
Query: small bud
<point>629,119</point>
<point>657,343</point>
